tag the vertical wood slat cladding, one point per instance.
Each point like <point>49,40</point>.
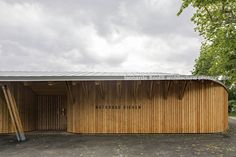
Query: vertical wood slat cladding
<point>51,112</point>
<point>203,108</point>
<point>25,101</point>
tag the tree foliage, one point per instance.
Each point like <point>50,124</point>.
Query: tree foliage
<point>216,22</point>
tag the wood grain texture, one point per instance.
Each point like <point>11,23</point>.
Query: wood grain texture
<point>202,108</point>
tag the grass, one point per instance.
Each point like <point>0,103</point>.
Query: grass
<point>232,114</point>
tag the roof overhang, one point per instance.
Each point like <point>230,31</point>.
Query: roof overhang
<point>22,76</point>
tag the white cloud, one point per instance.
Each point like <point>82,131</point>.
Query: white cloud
<point>96,36</point>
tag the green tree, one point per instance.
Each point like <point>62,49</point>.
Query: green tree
<point>216,22</point>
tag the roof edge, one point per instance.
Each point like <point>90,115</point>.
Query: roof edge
<point>134,76</point>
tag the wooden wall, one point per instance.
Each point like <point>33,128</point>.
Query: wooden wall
<point>123,107</point>
<point>25,100</point>
<point>51,112</point>
<point>203,108</point>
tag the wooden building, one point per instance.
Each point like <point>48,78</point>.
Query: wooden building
<point>80,102</point>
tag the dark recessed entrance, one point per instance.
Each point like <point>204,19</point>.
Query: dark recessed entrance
<point>51,106</point>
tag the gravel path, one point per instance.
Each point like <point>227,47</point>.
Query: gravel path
<point>146,145</point>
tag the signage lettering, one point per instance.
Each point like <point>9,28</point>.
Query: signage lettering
<point>118,106</point>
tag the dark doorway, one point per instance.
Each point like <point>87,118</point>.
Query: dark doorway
<point>51,105</point>
<point>51,113</point>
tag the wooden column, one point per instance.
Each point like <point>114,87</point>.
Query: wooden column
<point>136,87</point>
<point>182,89</point>
<point>100,87</point>
<point>151,89</point>
<point>85,89</point>
<point>167,85</point>
<point>118,89</point>
<point>69,92</point>
<point>14,113</point>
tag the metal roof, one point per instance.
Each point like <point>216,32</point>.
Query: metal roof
<point>73,73</point>
<point>11,76</point>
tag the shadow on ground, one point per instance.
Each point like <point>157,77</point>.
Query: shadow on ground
<point>147,145</point>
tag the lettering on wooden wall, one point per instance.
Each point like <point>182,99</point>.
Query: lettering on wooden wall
<point>118,106</point>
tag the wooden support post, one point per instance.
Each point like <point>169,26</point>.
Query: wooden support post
<point>100,88</point>
<point>14,113</point>
<point>69,92</point>
<point>26,83</point>
<point>74,83</point>
<point>136,85</point>
<point>182,90</point>
<point>85,89</point>
<point>118,89</point>
<point>151,89</point>
<point>2,97</point>
<point>51,83</point>
<point>166,89</point>
<point>10,112</point>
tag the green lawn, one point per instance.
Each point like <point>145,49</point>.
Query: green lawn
<point>232,114</point>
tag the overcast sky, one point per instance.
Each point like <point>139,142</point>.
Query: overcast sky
<point>97,35</point>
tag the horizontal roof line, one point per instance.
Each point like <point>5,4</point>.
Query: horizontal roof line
<point>13,76</point>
